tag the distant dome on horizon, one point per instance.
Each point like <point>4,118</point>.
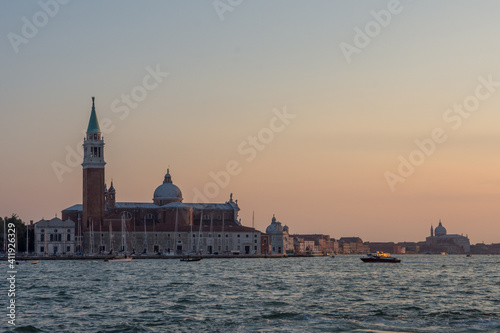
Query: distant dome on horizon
<point>274,227</point>
<point>440,230</point>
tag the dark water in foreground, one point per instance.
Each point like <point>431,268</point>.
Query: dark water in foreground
<point>423,294</point>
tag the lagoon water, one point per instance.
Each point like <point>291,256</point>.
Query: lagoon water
<point>425,293</point>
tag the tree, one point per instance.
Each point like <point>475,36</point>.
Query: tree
<point>20,231</point>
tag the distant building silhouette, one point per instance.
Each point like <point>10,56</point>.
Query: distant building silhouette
<point>441,241</point>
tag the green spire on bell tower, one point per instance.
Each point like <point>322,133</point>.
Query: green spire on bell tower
<point>93,122</point>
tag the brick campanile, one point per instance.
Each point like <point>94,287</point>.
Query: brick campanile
<point>93,175</point>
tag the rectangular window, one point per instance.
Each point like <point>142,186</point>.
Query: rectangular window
<point>42,249</point>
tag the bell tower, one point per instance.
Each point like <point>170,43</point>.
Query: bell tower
<point>93,174</point>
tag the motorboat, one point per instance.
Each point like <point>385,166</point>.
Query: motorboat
<point>380,257</point>
<point>27,262</point>
<point>191,259</point>
<point>119,259</point>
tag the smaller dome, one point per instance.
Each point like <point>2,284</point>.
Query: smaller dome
<point>440,230</point>
<point>274,227</point>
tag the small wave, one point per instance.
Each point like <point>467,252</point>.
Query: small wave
<point>178,307</point>
<point>282,315</point>
<point>186,300</point>
<point>28,328</point>
<point>182,283</point>
<point>415,262</point>
<point>125,328</point>
<point>275,303</point>
<point>412,308</point>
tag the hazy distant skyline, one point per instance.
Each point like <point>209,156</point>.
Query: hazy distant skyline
<point>204,86</point>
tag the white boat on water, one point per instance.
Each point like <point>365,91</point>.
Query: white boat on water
<point>27,262</point>
<point>119,259</point>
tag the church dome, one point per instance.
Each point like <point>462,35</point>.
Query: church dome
<point>167,192</point>
<point>440,230</point>
<point>274,227</point>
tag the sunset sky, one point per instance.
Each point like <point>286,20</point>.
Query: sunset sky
<point>349,118</point>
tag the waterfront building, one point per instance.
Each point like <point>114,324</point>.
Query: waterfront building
<point>388,247</point>
<point>281,241</point>
<point>481,248</point>
<point>353,245</point>
<point>54,237</point>
<point>410,247</point>
<point>395,248</point>
<point>302,246</point>
<point>265,244</point>
<point>164,225</point>
<point>313,243</point>
<point>440,241</point>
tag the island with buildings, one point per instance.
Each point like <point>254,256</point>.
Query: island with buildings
<point>168,226</point>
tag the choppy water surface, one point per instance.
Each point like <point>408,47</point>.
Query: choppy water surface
<point>423,294</point>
